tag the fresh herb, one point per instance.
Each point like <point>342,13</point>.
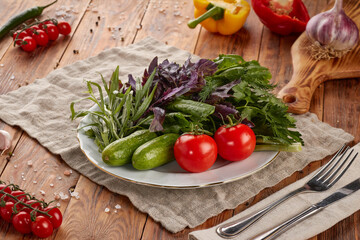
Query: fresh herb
<point>118,114</point>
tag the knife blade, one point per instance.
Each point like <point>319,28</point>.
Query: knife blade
<point>317,207</point>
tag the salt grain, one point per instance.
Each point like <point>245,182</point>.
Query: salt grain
<point>51,185</point>
<point>138,27</point>
<point>35,182</point>
<point>15,166</point>
<point>45,162</point>
<point>29,163</point>
<point>115,211</point>
<point>59,178</point>
<point>1,65</point>
<point>35,170</point>
<point>117,206</point>
<point>58,204</point>
<point>42,192</point>
<point>12,77</point>
<point>75,195</point>
<point>63,196</point>
<point>107,210</point>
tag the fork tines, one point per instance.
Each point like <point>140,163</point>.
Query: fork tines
<point>330,173</point>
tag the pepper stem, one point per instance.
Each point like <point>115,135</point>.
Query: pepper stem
<point>43,7</point>
<point>215,11</point>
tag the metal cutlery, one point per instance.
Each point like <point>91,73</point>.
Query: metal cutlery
<point>325,178</point>
<point>339,194</point>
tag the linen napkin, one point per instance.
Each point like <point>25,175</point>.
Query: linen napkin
<point>42,110</point>
<point>309,227</point>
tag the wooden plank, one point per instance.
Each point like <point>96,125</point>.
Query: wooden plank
<point>93,222</point>
<point>46,169</point>
<point>123,15</point>
<point>166,21</point>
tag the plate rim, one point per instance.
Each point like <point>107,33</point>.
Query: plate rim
<point>178,187</point>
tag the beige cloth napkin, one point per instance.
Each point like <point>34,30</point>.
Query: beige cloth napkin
<point>309,227</point>
<point>42,110</point>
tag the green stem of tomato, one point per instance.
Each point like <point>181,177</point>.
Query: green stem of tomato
<point>22,203</point>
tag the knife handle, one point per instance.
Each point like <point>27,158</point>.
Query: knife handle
<point>276,231</point>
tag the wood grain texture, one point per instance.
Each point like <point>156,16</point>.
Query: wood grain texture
<point>166,21</point>
<point>80,223</point>
<point>309,73</point>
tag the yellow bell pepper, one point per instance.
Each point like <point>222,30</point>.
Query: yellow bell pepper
<point>223,16</point>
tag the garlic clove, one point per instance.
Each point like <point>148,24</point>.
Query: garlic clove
<point>5,140</point>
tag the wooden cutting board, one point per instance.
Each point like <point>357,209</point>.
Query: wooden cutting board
<point>308,73</point>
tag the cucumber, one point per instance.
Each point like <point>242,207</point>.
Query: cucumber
<point>155,152</point>
<point>196,109</point>
<point>120,152</point>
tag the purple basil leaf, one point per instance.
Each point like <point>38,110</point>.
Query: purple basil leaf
<point>248,123</point>
<point>222,110</point>
<point>132,82</point>
<point>223,91</point>
<point>159,117</point>
<point>153,65</point>
<point>206,67</point>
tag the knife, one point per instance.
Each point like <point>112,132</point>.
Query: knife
<point>339,194</point>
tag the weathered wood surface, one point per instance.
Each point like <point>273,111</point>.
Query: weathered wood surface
<point>335,102</point>
<point>309,73</point>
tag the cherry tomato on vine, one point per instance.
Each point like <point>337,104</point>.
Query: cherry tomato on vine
<point>195,153</point>
<point>41,38</point>
<point>52,31</point>
<point>20,37</point>
<point>235,143</point>
<point>30,31</point>
<point>56,218</point>
<point>34,204</point>
<point>41,25</point>
<point>28,44</point>
<point>42,227</point>
<point>64,28</point>
<point>6,212</point>
<point>17,194</point>
<point>5,189</point>
<point>22,222</point>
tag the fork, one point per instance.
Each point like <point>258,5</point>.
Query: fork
<point>324,179</point>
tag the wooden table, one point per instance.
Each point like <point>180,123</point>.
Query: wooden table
<point>336,103</point>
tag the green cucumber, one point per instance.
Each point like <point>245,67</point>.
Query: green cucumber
<point>196,109</point>
<point>120,152</point>
<point>155,152</point>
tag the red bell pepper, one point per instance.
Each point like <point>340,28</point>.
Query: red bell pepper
<point>282,16</point>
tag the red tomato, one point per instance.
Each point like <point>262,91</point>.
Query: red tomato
<point>52,32</point>
<point>20,37</point>
<point>18,193</point>
<point>7,190</point>
<point>28,44</point>
<point>64,28</point>
<point>42,227</point>
<point>195,153</point>
<point>56,218</point>
<point>34,204</point>
<point>235,143</point>
<point>30,31</point>
<point>41,38</point>
<point>41,25</point>
<point>22,222</point>
<point>7,211</point>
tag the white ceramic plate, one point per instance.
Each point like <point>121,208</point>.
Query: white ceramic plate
<point>172,175</point>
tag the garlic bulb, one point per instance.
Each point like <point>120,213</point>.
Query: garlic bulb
<point>333,33</point>
<point>5,140</point>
